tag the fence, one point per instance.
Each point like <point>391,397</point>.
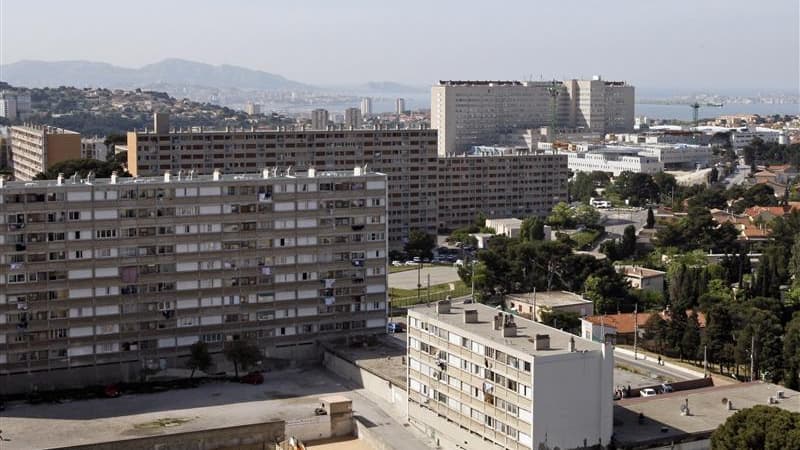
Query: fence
<point>423,297</point>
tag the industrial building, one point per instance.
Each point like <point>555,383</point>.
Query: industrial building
<point>104,279</point>
<point>511,382</point>
<point>36,148</point>
<point>469,113</point>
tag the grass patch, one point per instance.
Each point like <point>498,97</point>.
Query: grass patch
<point>407,297</point>
<point>584,238</point>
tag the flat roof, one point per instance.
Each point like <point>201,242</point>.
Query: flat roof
<point>186,178</point>
<point>505,222</point>
<point>707,407</point>
<point>526,329</point>
<point>641,272</point>
<point>549,298</point>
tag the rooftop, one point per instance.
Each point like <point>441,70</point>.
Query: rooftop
<point>640,272</point>
<point>188,178</point>
<point>43,128</point>
<point>549,298</point>
<point>522,342</point>
<point>505,222</point>
<point>623,323</point>
<point>708,410</point>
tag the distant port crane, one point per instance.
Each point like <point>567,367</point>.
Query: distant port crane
<point>696,109</point>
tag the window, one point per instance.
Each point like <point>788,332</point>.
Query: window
<point>105,234</point>
<point>74,215</point>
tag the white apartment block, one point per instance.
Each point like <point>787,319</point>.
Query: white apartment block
<point>400,105</point>
<point>15,105</point>
<point>36,148</point>
<point>366,107</point>
<point>743,136</point>
<point>612,163</point>
<point>492,380</point>
<point>469,113</point>
<point>102,279</point>
<point>94,148</point>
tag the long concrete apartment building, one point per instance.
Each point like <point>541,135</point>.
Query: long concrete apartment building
<point>101,280</point>
<point>36,148</point>
<point>469,113</point>
<point>407,157</point>
<point>481,378</point>
<point>507,184</point>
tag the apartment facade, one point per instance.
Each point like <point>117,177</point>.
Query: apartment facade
<point>36,148</point>
<point>101,280</point>
<point>366,106</point>
<point>319,119</point>
<point>352,119</point>
<point>504,185</point>
<point>469,113</point>
<point>407,157</point>
<point>15,105</point>
<point>514,383</point>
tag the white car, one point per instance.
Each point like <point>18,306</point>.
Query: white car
<point>412,263</point>
<point>397,263</point>
<point>649,392</point>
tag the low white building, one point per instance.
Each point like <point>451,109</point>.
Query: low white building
<point>531,305</point>
<point>505,382</point>
<point>613,163</point>
<point>743,136</point>
<point>676,155</point>
<point>506,227</point>
<point>94,148</point>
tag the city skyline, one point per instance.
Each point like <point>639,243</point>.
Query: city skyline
<point>637,44</point>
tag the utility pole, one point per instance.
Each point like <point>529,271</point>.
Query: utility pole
<point>419,282</point>
<point>635,330</point>
<point>752,357</point>
<point>535,313</point>
<point>705,361</point>
<point>472,280</point>
<point>429,288</point>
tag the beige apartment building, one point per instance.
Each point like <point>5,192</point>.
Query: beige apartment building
<point>470,113</point>
<point>102,280</point>
<point>481,378</point>
<point>407,157</point>
<point>36,148</point>
<point>319,119</point>
<point>504,185</point>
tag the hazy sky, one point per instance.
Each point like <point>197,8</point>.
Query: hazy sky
<point>694,44</point>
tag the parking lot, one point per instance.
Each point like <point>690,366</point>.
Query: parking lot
<point>408,279</point>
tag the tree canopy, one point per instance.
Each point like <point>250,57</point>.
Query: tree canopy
<point>760,427</point>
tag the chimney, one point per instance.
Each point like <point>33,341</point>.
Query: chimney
<point>571,343</point>
<point>2,181</point>
<point>443,307</point>
<point>509,327</point>
<point>312,172</point>
<point>357,171</point>
<point>60,179</point>
<point>542,342</point>
<point>470,316</point>
<point>216,175</point>
<point>113,177</point>
<point>497,321</point>
<point>167,176</point>
<point>265,174</point>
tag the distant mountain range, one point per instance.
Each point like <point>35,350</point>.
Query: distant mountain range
<point>169,71</point>
<point>173,71</point>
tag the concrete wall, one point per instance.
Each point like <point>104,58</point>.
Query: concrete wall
<point>572,398</point>
<point>374,384</point>
<point>309,428</point>
<point>260,436</point>
<point>372,439</point>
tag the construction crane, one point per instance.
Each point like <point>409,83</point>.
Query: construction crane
<point>554,90</point>
<point>696,110</point>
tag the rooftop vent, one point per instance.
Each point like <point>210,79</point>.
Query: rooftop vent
<point>168,176</point>
<point>357,171</point>
<point>443,307</point>
<point>60,179</point>
<point>2,181</point>
<point>470,316</point>
<point>216,175</point>
<point>113,177</point>
<point>542,342</point>
<point>265,174</point>
<point>571,343</point>
<point>312,172</point>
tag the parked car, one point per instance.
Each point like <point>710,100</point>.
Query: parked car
<point>666,388</point>
<point>649,392</point>
<point>417,259</point>
<point>397,263</point>
<point>395,327</point>
<point>459,262</point>
<point>253,378</point>
<point>412,263</point>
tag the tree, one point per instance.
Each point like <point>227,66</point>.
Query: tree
<point>651,219</point>
<point>628,245</point>
<point>101,169</point>
<point>690,341</point>
<point>637,188</point>
<point>199,358</point>
<point>561,216</point>
<point>242,354</point>
<point>564,320</point>
<point>719,335</point>
<point>587,215</point>
<point>656,330</point>
<point>532,229</point>
<point>462,237</point>
<point>420,244</point>
<point>759,427</point>
<point>713,176</point>
<point>609,292</point>
<point>791,353</point>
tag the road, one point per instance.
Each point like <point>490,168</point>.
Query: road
<point>738,176</point>
<point>651,368</point>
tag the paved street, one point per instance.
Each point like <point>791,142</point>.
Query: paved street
<point>408,278</point>
<point>737,177</point>
<point>617,219</point>
<point>650,367</point>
